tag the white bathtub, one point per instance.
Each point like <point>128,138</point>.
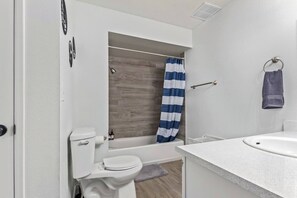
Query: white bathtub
<point>146,148</point>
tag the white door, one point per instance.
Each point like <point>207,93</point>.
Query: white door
<point>6,99</point>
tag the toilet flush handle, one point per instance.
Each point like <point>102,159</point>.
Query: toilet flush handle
<point>83,143</point>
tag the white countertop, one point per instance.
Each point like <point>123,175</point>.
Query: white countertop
<point>265,174</point>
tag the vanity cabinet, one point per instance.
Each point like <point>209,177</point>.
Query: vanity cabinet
<point>201,182</point>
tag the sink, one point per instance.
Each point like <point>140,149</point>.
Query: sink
<point>281,143</point>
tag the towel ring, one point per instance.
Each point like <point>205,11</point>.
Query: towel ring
<point>274,60</point>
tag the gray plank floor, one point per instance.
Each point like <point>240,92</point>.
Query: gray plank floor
<point>169,186</point>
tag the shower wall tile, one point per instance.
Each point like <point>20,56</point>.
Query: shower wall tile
<point>135,96</point>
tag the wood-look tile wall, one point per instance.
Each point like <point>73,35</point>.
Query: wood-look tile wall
<point>135,96</point>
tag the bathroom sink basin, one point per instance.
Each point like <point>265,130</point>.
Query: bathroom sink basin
<point>281,143</point>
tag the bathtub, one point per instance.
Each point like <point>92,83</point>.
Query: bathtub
<point>146,148</point>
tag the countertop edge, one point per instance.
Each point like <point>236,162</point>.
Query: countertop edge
<point>247,185</point>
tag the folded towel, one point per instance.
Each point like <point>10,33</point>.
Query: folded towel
<point>273,91</point>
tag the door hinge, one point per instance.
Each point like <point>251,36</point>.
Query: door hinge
<point>14,129</point>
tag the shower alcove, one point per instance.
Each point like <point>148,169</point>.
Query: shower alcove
<point>136,76</point>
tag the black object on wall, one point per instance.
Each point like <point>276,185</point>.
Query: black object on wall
<point>70,54</point>
<point>64,17</point>
<point>72,51</point>
<point>73,48</point>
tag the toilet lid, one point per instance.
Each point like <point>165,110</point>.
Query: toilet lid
<point>121,162</point>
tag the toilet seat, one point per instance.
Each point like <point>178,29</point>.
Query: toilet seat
<point>100,170</point>
<point>120,163</point>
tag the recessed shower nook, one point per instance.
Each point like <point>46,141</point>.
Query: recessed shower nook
<point>136,78</point>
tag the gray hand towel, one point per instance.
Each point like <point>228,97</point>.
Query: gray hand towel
<point>273,91</point>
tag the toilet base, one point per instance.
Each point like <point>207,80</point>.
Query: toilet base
<point>98,189</point>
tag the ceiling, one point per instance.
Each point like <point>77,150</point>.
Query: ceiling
<point>175,12</point>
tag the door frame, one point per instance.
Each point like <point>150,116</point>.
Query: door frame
<point>19,99</point>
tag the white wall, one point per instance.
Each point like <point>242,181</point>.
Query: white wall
<point>91,71</point>
<point>66,105</point>
<point>42,98</point>
<point>48,95</point>
<point>232,49</point>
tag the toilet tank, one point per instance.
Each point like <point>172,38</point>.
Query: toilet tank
<point>82,142</point>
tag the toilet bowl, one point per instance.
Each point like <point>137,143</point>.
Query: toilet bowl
<point>111,178</point>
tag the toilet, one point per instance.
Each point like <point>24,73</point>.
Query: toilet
<point>111,178</point>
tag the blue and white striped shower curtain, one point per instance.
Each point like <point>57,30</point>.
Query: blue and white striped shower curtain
<point>172,100</point>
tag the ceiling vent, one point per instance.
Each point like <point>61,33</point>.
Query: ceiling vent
<point>205,11</point>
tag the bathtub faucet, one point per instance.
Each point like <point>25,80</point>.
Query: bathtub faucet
<point>111,135</point>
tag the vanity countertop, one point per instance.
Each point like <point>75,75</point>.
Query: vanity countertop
<point>265,174</point>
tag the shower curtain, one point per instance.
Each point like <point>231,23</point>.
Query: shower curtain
<point>172,100</point>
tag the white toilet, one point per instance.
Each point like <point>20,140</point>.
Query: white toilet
<point>111,178</point>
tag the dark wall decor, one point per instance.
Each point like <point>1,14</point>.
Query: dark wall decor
<point>64,17</point>
<point>73,48</point>
<point>72,51</point>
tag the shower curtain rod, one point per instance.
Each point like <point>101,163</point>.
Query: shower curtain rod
<point>144,52</point>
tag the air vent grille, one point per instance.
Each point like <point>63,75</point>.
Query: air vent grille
<point>205,11</point>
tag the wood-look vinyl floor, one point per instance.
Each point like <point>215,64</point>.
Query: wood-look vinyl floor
<point>169,186</point>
